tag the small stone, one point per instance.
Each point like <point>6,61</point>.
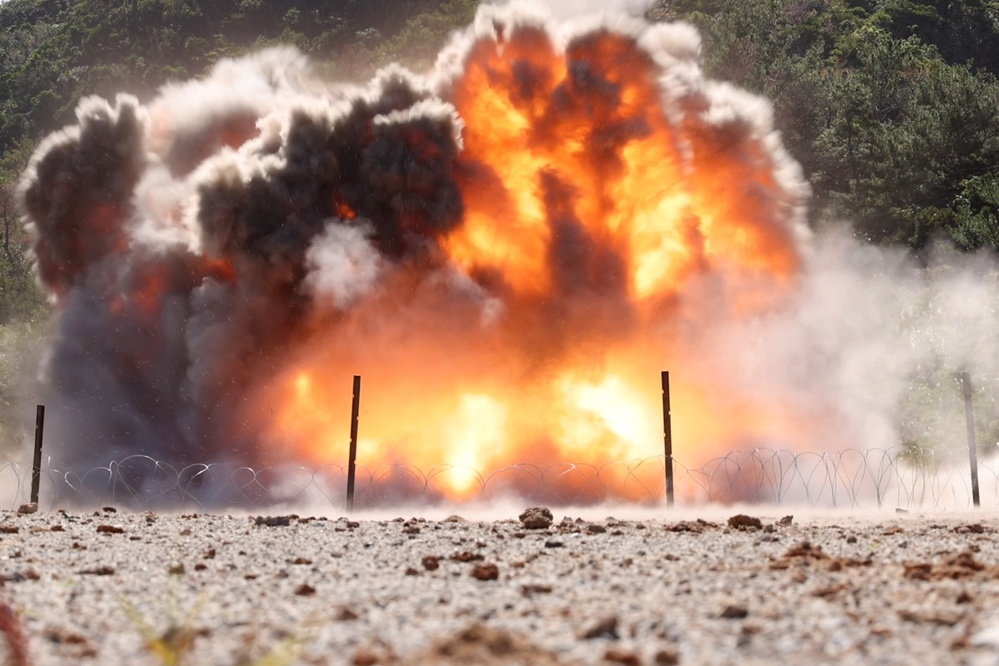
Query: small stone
<point>346,615</point>
<point>305,590</point>
<point>734,612</point>
<point>530,590</point>
<point>176,569</point>
<point>485,572</point>
<point>365,657</point>
<point>97,571</point>
<point>272,521</point>
<point>941,616</point>
<point>410,571</point>
<point>27,508</point>
<point>109,529</point>
<point>596,529</point>
<point>466,556</point>
<point>536,518</point>
<point>109,509</point>
<point>606,628</point>
<point>667,657</point>
<point>742,522</point>
<point>617,655</point>
<point>551,543</point>
<point>786,521</point>
<point>431,562</point>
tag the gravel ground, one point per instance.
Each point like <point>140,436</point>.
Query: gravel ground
<point>111,587</point>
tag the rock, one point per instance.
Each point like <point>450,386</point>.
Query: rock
<point>786,521</point>
<point>536,518</point>
<point>466,556</point>
<point>606,628</point>
<point>431,562</point>
<point>485,572</point>
<point>696,526</point>
<point>305,590</point>
<point>346,615</point>
<point>485,646</point>
<point>616,655</point>
<point>667,657</point>
<point>742,522</point>
<point>272,521</point>
<point>97,571</point>
<point>530,590</point>
<point>365,657</point>
<point>734,612</point>
<point>941,616</point>
<point>27,508</point>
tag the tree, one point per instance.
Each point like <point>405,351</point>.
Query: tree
<point>20,297</point>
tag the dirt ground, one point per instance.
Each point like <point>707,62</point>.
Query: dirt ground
<point>713,587</point>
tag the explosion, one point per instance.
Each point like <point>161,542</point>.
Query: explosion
<point>508,249</point>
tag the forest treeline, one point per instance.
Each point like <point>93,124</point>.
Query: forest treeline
<point>891,106</point>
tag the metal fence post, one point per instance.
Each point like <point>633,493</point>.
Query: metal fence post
<point>352,459</point>
<point>667,438</point>
<point>969,415</point>
<point>36,465</point>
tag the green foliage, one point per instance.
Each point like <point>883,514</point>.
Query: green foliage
<point>976,221</point>
<point>19,358</point>
<point>908,132</point>
<point>20,297</point>
<point>891,106</point>
<point>53,52</point>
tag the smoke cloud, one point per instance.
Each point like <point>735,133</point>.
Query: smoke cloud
<point>508,248</point>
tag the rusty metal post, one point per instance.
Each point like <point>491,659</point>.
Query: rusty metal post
<point>667,439</point>
<point>969,415</point>
<point>36,465</point>
<point>352,460</point>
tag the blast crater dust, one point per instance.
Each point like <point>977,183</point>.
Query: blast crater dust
<point>508,249</point>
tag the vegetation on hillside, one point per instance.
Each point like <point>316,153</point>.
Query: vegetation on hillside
<point>891,106</point>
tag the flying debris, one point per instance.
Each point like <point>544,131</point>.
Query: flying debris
<point>509,249</point>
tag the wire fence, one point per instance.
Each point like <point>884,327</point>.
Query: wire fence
<point>852,478</point>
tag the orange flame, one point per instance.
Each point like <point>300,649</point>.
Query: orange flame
<point>590,210</point>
